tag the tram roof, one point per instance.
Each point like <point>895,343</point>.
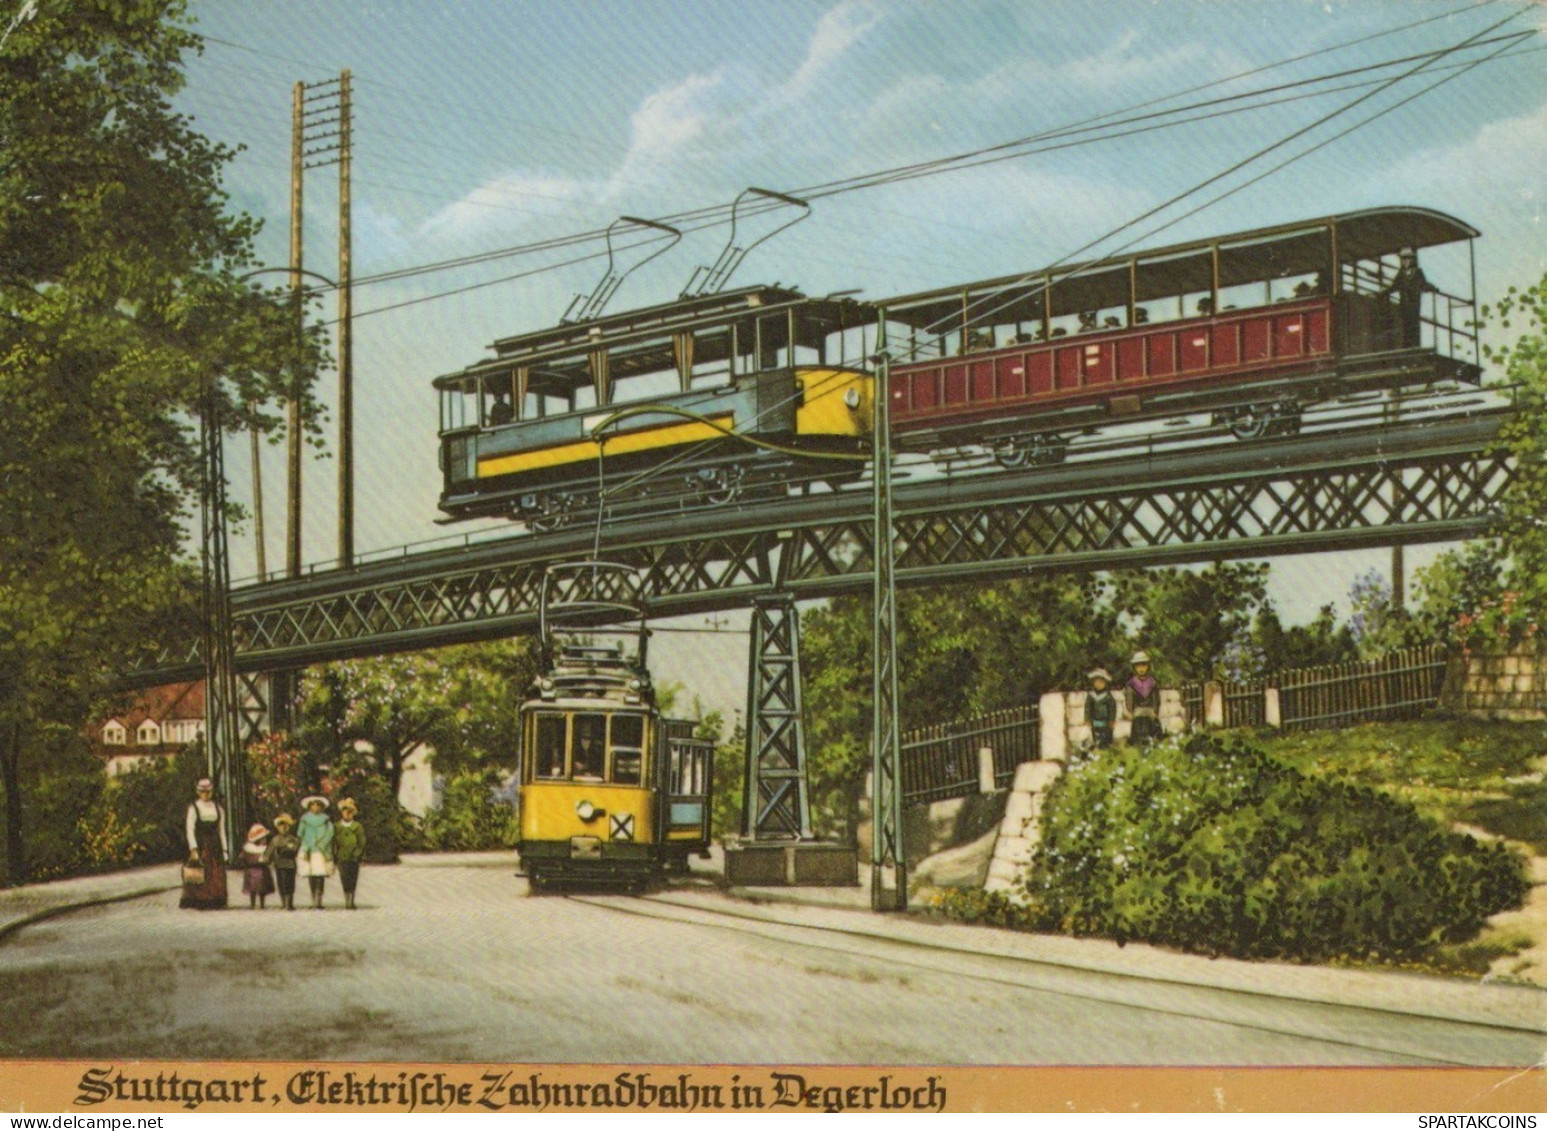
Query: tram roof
<point>650,323</point>
<point>1281,250</point>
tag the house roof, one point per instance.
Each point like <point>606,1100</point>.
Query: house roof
<point>170,703</point>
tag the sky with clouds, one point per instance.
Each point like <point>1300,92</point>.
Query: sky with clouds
<point>488,124</point>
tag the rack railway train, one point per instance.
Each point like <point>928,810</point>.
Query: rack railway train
<point>708,398</point>
<point>611,791</point>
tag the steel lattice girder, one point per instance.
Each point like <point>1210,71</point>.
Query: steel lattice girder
<point>776,743</point>
<point>1411,482</point>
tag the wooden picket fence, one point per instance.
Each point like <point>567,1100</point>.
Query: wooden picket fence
<point>1398,685</point>
<point>941,761</point>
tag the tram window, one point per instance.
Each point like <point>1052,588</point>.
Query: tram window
<point>548,746</point>
<point>458,407</point>
<point>590,747</point>
<point>1240,296</point>
<point>628,739</point>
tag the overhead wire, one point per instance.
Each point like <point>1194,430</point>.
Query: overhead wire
<point>710,222</point>
<point>1198,187</point>
<point>1470,41</point>
<point>953,162</point>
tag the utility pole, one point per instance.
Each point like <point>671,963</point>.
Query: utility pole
<point>321,128</point>
<point>257,501</point>
<point>293,412</point>
<point>222,742</point>
<point>346,419</point>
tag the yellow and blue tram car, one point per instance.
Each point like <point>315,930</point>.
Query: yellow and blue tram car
<point>698,399</point>
<point>612,792</point>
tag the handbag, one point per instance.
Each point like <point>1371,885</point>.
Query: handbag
<point>193,873</point>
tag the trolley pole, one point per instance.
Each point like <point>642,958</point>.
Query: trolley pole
<point>886,847</point>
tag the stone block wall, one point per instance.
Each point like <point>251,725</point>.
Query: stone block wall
<point>1498,685</point>
<point>1068,708</point>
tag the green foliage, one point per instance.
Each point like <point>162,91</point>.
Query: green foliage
<point>275,775</point>
<point>1323,641</point>
<point>54,811</point>
<point>1452,592</point>
<point>1214,846</point>
<point>470,818</point>
<point>966,650</point>
<point>1523,532</point>
<point>975,905</point>
<point>139,817</point>
<point>462,701</point>
<point>1190,618</point>
<point>1455,770</point>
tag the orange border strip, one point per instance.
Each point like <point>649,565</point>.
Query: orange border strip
<point>107,1086</point>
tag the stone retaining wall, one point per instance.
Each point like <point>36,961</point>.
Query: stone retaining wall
<point>1498,685</point>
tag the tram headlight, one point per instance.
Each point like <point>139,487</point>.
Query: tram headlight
<point>851,397</point>
<point>586,811</point>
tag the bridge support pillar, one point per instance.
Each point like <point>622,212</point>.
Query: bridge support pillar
<point>777,802</point>
<point>777,846</point>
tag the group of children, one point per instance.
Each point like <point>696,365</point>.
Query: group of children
<point>311,848</point>
<point>1141,695</point>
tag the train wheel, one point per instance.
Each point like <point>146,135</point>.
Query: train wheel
<point>1251,422</point>
<point>1012,452</point>
<point>717,486</point>
<point>1029,451</point>
<point>555,512</point>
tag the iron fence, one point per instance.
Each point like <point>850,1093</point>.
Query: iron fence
<point>941,761</point>
<point>1245,703</point>
<point>1399,684</point>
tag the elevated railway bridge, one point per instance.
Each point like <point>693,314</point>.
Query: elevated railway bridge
<point>1420,478</point>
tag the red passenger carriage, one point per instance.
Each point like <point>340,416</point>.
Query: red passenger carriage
<point>1252,327</point>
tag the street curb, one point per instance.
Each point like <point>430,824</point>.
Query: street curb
<point>1358,988</point>
<point>7,929</point>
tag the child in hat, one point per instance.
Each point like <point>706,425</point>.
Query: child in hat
<point>284,846</point>
<point>1100,708</point>
<point>257,884</point>
<point>348,848</point>
<point>315,860</point>
<point>1143,694</point>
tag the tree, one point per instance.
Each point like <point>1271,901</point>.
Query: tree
<point>1189,619</point>
<point>462,701</point>
<point>120,299</point>
<point>1323,641</point>
<point>1494,591</point>
<point>961,651</point>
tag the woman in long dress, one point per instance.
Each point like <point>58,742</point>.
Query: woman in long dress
<point>207,847</point>
<point>315,860</point>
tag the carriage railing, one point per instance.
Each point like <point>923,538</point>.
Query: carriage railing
<point>1448,322</point>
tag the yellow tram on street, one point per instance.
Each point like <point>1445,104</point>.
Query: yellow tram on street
<point>612,793</point>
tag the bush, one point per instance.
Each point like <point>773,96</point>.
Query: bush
<point>469,817</point>
<point>140,818</point>
<point>974,905</point>
<point>1211,845</point>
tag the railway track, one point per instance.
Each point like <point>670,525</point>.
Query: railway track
<point>1390,1017</point>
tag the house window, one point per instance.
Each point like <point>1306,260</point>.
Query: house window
<point>114,734</point>
<point>148,734</point>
